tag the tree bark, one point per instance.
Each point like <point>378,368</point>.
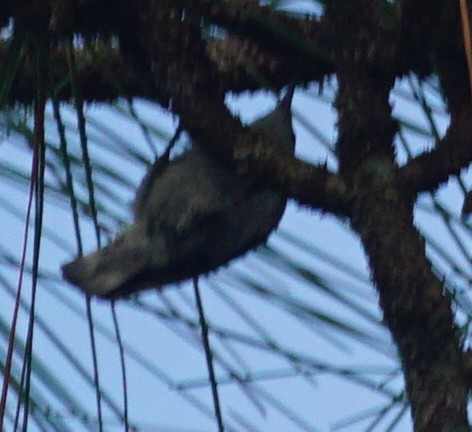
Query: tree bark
<point>367,44</point>
<point>416,309</point>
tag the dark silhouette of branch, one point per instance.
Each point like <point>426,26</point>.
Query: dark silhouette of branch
<point>366,44</point>
<point>416,312</point>
<point>453,153</point>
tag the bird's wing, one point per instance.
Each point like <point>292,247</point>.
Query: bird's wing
<point>187,190</point>
<point>154,172</point>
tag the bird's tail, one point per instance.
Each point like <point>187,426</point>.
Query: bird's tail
<point>103,272</point>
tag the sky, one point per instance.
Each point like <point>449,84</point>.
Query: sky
<point>286,331</point>
<point>173,350</point>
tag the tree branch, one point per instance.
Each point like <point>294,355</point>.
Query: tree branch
<point>302,41</point>
<point>453,153</point>
<point>415,45</point>
<point>187,77</point>
<point>164,38</point>
<point>103,74</point>
<point>242,63</point>
<point>310,185</point>
<point>417,313</point>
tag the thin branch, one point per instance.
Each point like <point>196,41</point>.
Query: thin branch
<point>124,378</point>
<point>450,155</point>
<point>209,357</point>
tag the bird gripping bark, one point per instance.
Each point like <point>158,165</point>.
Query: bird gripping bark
<point>192,215</point>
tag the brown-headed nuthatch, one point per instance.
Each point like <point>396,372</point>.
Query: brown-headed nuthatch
<point>191,216</point>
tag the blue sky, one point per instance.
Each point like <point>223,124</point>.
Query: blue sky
<point>255,333</point>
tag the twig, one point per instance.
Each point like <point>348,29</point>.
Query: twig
<point>209,357</point>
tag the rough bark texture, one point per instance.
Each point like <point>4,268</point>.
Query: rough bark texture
<point>410,295</point>
<point>165,54</point>
<point>415,309</point>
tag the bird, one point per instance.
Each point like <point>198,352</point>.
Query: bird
<point>192,215</point>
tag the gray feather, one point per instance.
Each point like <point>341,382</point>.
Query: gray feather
<point>191,216</point>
